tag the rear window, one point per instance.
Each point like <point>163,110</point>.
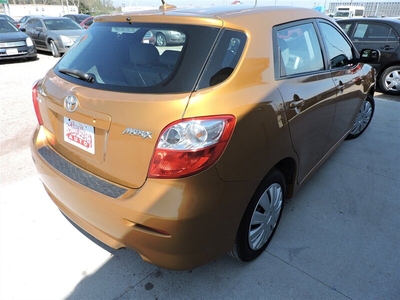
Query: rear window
<point>139,57</point>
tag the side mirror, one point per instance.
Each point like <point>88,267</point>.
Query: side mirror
<point>22,29</point>
<point>370,56</point>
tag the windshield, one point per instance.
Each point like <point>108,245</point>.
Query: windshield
<point>342,14</point>
<point>61,24</point>
<point>6,26</point>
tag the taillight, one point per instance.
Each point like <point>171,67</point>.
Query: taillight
<point>36,100</point>
<point>189,146</point>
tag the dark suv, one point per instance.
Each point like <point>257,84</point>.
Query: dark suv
<point>382,34</point>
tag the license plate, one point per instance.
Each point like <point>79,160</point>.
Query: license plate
<point>79,135</point>
<point>12,51</point>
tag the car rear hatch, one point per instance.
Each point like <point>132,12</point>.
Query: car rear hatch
<point>106,101</point>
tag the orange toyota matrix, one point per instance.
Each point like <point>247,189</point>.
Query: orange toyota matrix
<point>185,150</point>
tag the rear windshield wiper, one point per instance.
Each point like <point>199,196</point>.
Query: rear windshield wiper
<point>79,74</point>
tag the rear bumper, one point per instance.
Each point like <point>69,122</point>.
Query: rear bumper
<point>175,224</point>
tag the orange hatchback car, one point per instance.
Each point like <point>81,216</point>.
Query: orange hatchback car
<point>185,153</point>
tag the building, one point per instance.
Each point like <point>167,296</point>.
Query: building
<point>19,10</point>
<point>372,9</point>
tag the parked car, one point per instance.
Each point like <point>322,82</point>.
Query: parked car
<point>53,34</point>
<point>87,22</point>
<point>78,18</point>
<point>24,19</point>
<point>8,18</point>
<point>168,37</point>
<point>382,34</point>
<point>149,38</point>
<point>187,153</point>
<point>15,44</point>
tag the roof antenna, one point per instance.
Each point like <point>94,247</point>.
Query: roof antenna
<point>165,6</point>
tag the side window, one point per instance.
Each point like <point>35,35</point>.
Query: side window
<point>393,37</point>
<point>224,58</point>
<point>89,22</point>
<point>377,32</point>
<point>345,27</point>
<point>361,31</point>
<point>34,24</point>
<point>299,50</point>
<point>29,24</point>
<point>339,50</point>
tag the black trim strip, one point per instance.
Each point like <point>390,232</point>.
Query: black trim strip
<point>80,176</point>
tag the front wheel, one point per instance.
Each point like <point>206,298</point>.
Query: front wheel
<point>363,119</point>
<point>389,81</point>
<point>54,49</point>
<point>261,218</point>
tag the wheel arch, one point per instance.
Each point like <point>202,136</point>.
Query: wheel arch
<point>288,167</point>
<point>48,40</point>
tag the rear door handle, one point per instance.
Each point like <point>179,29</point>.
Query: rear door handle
<point>296,105</point>
<point>387,47</point>
<point>340,86</point>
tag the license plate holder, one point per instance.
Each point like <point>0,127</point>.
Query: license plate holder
<point>79,134</point>
<point>12,51</point>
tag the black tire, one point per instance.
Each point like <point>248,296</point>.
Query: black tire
<point>389,81</point>
<point>363,119</point>
<point>261,218</point>
<point>54,49</point>
<point>161,40</point>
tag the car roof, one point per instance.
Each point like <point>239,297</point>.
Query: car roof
<point>371,20</point>
<point>76,15</point>
<point>50,18</point>
<point>215,15</point>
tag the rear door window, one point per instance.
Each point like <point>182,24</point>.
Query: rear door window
<point>371,32</point>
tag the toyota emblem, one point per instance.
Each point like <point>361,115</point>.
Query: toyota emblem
<point>71,103</point>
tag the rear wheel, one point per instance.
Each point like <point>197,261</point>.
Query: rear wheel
<point>261,218</point>
<point>54,49</point>
<point>389,81</point>
<point>363,119</point>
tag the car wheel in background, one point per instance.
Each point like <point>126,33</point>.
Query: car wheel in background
<point>161,40</point>
<point>261,218</point>
<point>363,119</point>
<point>389,81</point>
<point>54,49</point>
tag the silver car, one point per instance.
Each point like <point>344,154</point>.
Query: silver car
<point>53,34</point>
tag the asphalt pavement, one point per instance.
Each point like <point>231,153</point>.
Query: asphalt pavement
<point>339,238</point>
